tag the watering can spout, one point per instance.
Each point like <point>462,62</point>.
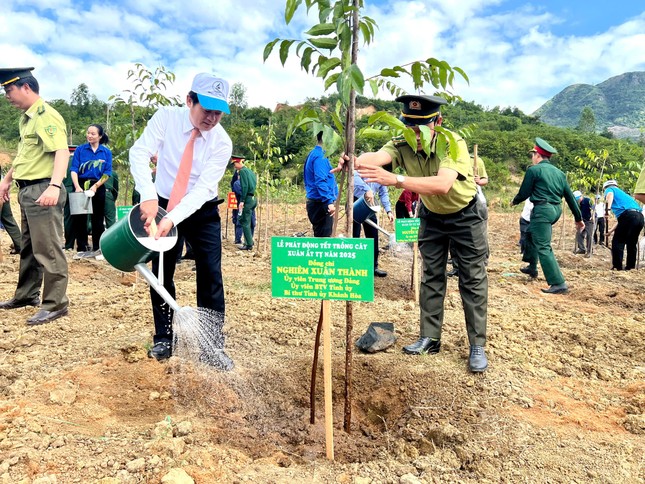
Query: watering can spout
<point>154,283</point>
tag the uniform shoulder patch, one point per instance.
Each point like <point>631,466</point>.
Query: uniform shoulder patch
<point>51,130</point>
<point>41,110</point>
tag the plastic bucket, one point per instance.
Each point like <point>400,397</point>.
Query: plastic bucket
<point>362,210</point>
<point>79,203</point>
<point>126,243</point>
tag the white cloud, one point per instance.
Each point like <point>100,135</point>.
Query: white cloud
<point>510,51</point>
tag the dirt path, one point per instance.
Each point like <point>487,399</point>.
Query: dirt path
<point>562,401</point>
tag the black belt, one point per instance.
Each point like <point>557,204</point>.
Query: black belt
<point>26,183</point>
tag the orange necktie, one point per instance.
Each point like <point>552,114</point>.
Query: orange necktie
<point>183,174</point>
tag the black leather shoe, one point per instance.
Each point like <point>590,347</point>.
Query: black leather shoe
<point>529,272</point>
<point>557,289</point>
<point>452,273</point>
<point>379,273</point>
<point>15,303</point>
<point>160,351</point>
<point>246,247</point>
<point>43,316</point>
<point>14,251</point>
<point>477,361</point>
<point>423,346</point>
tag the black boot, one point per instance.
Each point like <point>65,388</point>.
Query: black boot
<point>423,346</point>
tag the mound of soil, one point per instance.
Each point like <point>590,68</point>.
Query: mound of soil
<point>562,401</point>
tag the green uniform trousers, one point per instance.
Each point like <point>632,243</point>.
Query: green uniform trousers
<point>110,209</point>
<point>42,259</point>
<point>538,237</point>
<point>465,232</point>
<point>245,219</point>
<point>10,225</point>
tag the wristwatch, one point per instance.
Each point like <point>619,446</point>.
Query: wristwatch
<point>399,180</point>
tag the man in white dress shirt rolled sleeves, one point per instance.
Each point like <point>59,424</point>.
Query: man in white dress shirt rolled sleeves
<point>196,214</point>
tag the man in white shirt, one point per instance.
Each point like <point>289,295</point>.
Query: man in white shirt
<point>195,214</point>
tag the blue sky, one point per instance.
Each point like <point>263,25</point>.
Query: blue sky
<point>516,53</point>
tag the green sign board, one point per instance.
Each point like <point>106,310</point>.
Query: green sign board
<point>407,229</point>
<point>123,211</point>
<point>322,268</point>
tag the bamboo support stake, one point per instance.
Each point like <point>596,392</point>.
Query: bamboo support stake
<point>329,414</point>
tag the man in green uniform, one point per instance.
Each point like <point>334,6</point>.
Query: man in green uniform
<point>247,202</point>
<point>451,213</point>
<point>38,169</point>
<point>545,185</point>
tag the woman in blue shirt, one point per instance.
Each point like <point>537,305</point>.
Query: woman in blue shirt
<point>91,168</point>
<point>630,223</point>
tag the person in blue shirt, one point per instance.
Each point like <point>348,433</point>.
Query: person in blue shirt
<point>321,188</point>
<point>630,222</point>
<point>368,190</point>
<point>91,168</point>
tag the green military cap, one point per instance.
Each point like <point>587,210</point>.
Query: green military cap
<point>236,158</point>
<point>9,75</point>
<point>543,148</point>
<point>420,109</point>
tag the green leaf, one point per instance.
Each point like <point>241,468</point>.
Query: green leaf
<point>327,65</point>
<point>337,121</point>
<point>356,77</point>
<point>365,31</point>
<point>321,29</point>
<point>426,136</point>
<point>411,137</point>
<point>268,48</point>
<point>301,44</point>
<point>463,74</point>
<point>306,58</point>
<point>331,80</point>
<point>345,36</point>
<point>389,73</point>
<point>374,86</point>
<point>415,70</point>
<point>284,50</point>
<point>324,42</point>
<point>290,10</point>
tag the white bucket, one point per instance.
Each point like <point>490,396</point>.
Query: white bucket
<point>79,203</point>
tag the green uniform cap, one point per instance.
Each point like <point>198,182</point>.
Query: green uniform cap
<point>418,109</point>
<point>9,75</point>
<point>544,148</point>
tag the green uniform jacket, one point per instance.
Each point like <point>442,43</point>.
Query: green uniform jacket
<point>640,184</point>
<point>544,183</point>
<point>247,182</point>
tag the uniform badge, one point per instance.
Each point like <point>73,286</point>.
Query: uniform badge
<point>51,130</point>
<point>415,105</point>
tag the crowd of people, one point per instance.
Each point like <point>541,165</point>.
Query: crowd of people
<point>181,157</point>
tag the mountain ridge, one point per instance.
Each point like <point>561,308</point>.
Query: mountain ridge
<point>618,104</point>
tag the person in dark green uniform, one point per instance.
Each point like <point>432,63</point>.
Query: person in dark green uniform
<point>545,185</point>
<point>38,169</point>
<point>247,202</point>
<point>451,214</point>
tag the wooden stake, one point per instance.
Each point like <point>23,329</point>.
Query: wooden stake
<point>329,415</point>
